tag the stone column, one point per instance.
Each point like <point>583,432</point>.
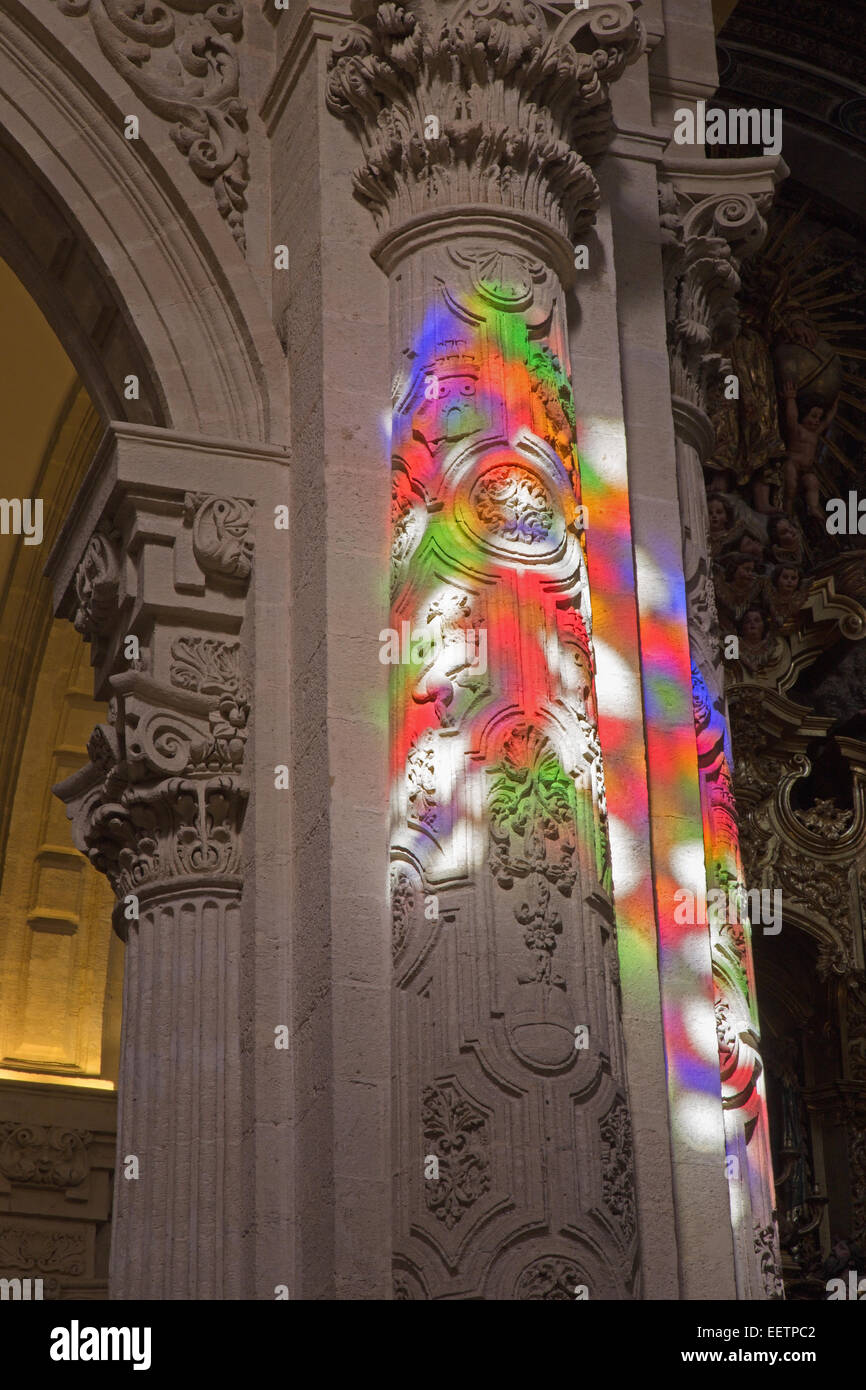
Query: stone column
<point>711,220</point>
<point>513,1149</point>
<point>155,577</point>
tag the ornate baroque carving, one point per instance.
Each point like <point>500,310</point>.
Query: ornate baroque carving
<point>481,102</point>
<point>766,1249</point>
<point>549,1279</point>
<point>402,905</point>
<point>180,59</point>
<point>421,780</point>
<point>34,1252</point>
<point>531,803</point>
<point>44,1155</point>
<point>163,798</point>
<point>514,504</point>
<point>220,534</point>
<point>617,1174</point>
<point>458,1133</point>
<point>96,583</point>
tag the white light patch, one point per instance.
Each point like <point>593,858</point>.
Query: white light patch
<point>626,857</point>
<point>700,1025</point>
<point>687,866</point>
<point>699,1120</point>
<point>616,685</point>
<point>652,583</point>
<point>603,446</point>
<point>696,953</point>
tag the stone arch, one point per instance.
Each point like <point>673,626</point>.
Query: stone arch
<point>122,247</point>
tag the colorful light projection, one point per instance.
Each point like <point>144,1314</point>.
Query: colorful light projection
<point>504,931</point>
<point>512,687</point>
<point>710,1022</point>
<point>485,504</point>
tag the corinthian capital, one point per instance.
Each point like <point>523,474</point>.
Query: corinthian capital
<point>155,574</point>
<point>480,103</point>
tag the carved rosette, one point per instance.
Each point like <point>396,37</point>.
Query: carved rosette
<point>481,102</point>
<point>180,59</point>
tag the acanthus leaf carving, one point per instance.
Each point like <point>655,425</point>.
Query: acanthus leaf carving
<point>515,104</point>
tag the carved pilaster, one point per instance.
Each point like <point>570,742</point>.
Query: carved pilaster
<point>510,1065</point>
<point>159,591</point>
<point>706,234</point>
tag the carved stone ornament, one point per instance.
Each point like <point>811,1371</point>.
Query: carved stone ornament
<point>96,586</point>
<point>766,1249</point>
<point>549,1279</point>
<point>402,907</point>
<point>458,1134</point>
<point>179,57</point>
<point>142,835</point>
<point>44,1155</point>
<point>162,801</point>
<point>480,102</point>
<point>29,1252</point>
<point>220,534</point>
<point>618,1168</point>
<point>512,503</point>
<point>703,247</point>
<point>532,839</point>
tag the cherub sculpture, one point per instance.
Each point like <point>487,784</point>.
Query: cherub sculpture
<point>802,436</point>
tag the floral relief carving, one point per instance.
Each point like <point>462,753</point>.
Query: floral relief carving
<point>403,527</point>
<point>421,780</point>
<point>180,58</point>
<point>549,1279</point>
<point>402,906</point>
<point>27,1252</point>
<point>514,504</point>
<point>532,838</point>
<point>457,1132</point>
<point>44,1155</point>
<point>617,1174</point>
